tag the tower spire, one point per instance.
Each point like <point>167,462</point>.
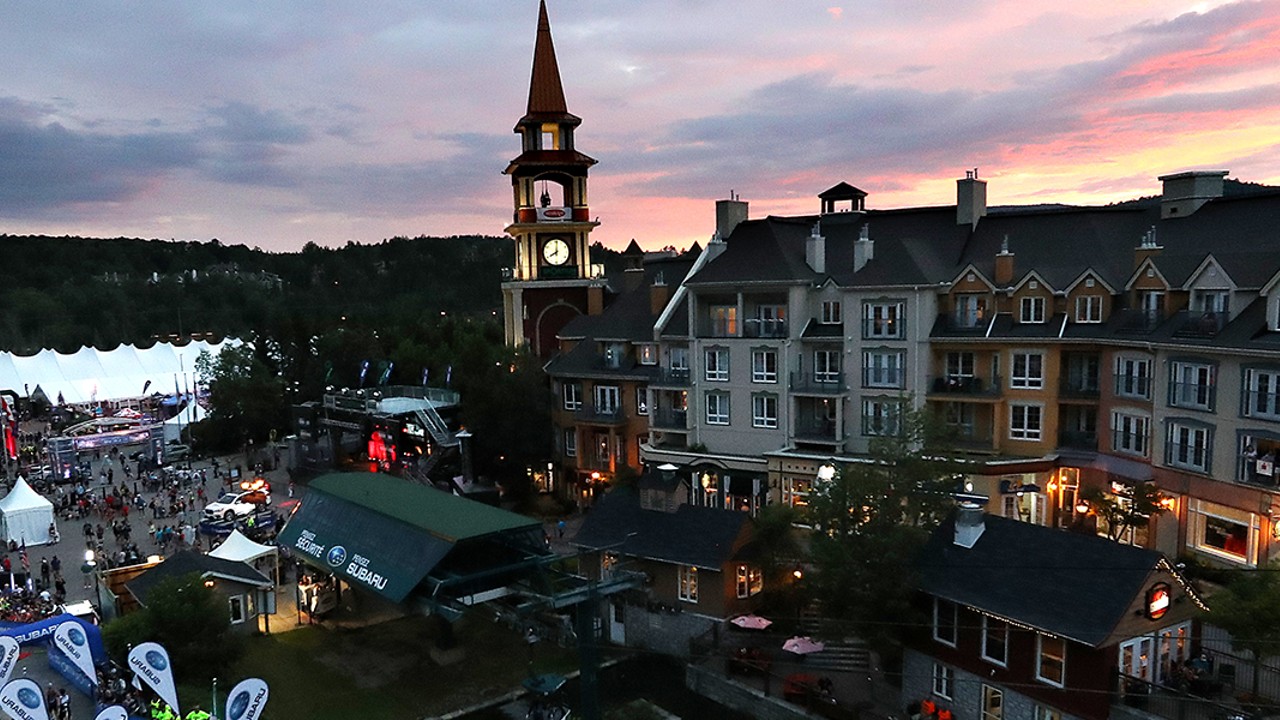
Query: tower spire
<point>546,94</point>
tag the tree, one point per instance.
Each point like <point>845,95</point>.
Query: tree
<point>246,396</point>
<point>1246,609</point>
<point>190,620</point>
<point>871,519</point>
<point>1120,514</point>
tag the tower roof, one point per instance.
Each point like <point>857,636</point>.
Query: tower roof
<point>546,94</point>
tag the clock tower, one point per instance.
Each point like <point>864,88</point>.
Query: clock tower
<point>553,279</point>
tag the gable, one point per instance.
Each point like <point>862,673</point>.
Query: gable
<point>971,280</point>
<point>1209,276</point>
<point>1147,277</point>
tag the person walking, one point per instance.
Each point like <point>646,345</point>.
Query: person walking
<point>45,572</point>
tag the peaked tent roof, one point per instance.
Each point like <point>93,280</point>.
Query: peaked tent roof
<point>239,548</point>
<point>22,497</point>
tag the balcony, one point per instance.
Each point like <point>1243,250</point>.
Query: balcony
<point>1197,396</point>
<point>669,420</point>
<point>671,378</point>
<point>883,378</point>
<point>962,386</point>
<point>1262,405</point>
<point>764,328</point>
<point>819,430</point>
<point>1133,386</point>
<point>820,383</point>
<point>1078,440</point>
<point>967,439</point>
<point>600,415</point>
<point>1079,388</point>
<point>883,329</point>
<point>1200,324</point>
<point>1138,321</point>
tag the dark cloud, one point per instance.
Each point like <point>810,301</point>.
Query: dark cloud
<point>47,165</point>
<point>245,123</point>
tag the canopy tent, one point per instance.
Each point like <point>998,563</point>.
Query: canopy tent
<point>25,516</point>
<point>90,375</point>
<point>174,426</point>
<point>239,548</point>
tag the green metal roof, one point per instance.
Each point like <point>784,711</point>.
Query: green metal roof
<point>445,516</point>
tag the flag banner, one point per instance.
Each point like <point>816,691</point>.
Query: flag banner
<point>386,373</point>
<point>21,699</point>
<point>115,712</point>
<point>8,657</point>
<point>150,663</point>
<point>448,375</point>
<point>364,370</point>
<point>426,372</point>
<point>69,637</point>
<point>246,699</point>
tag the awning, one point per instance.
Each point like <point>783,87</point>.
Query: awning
<point>366,548</point>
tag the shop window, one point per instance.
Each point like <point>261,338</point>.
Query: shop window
<point>1223,532</point>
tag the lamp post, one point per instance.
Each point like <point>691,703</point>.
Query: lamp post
<point>89,568</point>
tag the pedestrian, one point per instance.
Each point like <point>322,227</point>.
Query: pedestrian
<point>44,570</point>
<point>560,528</point>
<point>100,531</point>
<point>290,488</point>
<point>56,565</point>
<point>53,533</point>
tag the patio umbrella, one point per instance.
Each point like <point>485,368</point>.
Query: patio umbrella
<point>751,622</point>
<point>803,645</point>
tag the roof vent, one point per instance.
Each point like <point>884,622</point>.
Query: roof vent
<point>969,524</point>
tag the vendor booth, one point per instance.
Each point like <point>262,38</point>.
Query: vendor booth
<point>25,516</point>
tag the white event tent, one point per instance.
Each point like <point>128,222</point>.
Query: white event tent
<point>174,426</point>
<point>25,516</point>
<point>92,375</point>
<point>238,548</point>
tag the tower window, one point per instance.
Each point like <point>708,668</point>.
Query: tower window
<point>550,136</point>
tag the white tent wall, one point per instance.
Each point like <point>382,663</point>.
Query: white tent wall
<point>176,425</point>
<point>106,375</point>
<point>25,516</point>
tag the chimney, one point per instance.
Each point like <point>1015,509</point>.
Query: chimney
<point>1147,248</point>
<point>659,293</point>
<point>815,250</point>
<point>969,524</point>
<point>1004,265</point>
<point>971,199</point>
<point>728,214</point>
<point>633,267</point>
<point>864,248</point>
<point>1184,193</point>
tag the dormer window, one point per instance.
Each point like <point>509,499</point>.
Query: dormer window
<point>613,354</point>
<point>1032,310</point>
<point>1217,302</point>
<point>648,354</point>
<point>970,310</point>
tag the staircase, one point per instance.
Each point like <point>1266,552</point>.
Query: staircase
<point>842,654</point>
<point>435,425</point>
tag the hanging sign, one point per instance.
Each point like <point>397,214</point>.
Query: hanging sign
<point>1158,600</point>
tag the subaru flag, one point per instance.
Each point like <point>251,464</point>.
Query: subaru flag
<point>150,663</point>
<point>115,712</point>
<point>426,373</point>
<point>21,699</point>
<point>246,700</point>
<point>364,370</point>
<point>386,373</point>
<point>69,637</point>
<point>8,657</point>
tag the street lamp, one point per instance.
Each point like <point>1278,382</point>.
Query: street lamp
<point>90,567</point>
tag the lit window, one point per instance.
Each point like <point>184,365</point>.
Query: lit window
<point>750,581</point>
<point>970,310</point>
<point>642,400</point>
<point>882,320</point>
<point>688,576</point>
<point>648,354</point>
<point>724,321</point>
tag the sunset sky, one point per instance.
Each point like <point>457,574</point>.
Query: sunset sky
<point>276,123</point>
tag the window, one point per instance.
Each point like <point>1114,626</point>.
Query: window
<point>882,369</point>
<point>642,401</point>
<point>770,321</point>
<point>944,621</point>
<point>1130,433</point>
<point>1151,303</point>
<point>614,354</point>
<point>992,703</point>
<point>1262,393</point>
<point>608,399</point>
<point>724,321</point>
<point>1045,713</point>
<point>1188,446</point>
<point>1089,309</point>
<point>572,395</point>
<point>717,364</point>
<point>1028,370</point>
<point>764,411</point>
<point>764,366</point>
<point>750,581</point>
<point>680,358</point>
<point>1223,532</point>
<point>944,680</point>
<point>1217,302</point>
<point>571,442</point>
<point>688,576</point>
<point>717,408</point>
<point>959,365</point>
<point>882,320</point>
<point>970,310</point>
<point>1032,310</point>
<point>995,641</point>
<point>880,416</point>
<point>826,366</point>
<point>1052,667</point>
<point>647,354</point>
<point>1133,377</point>
<point>236,603</point>
<point>830,312</point>
<point>1191,385</point>
<point>1024,422</point>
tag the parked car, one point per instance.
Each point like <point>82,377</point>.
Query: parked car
<point>231,506</point>
<point>175,452</point>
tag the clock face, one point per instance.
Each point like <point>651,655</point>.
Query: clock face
<point>555,251</point>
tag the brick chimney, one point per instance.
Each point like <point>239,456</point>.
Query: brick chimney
<point>1184,193</point>
<point>971,199</point>
<point>1004,265</point>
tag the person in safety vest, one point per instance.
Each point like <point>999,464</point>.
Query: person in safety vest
<point>155,708</point>
<point>198,714</point>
